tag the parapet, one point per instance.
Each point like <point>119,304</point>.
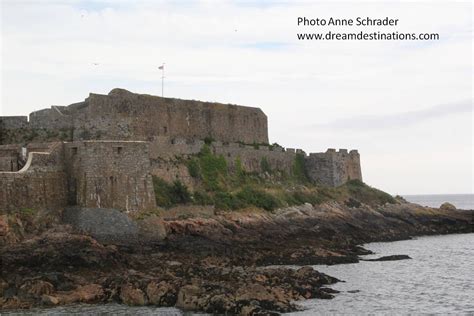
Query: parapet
<point>13,122</point>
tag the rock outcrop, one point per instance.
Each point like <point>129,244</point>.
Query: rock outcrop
<point>215,264</point>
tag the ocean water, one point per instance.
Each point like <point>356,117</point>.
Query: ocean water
<point>439,279</point>
<point>461,201</point>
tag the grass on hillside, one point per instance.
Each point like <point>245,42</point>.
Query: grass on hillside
<point>233,188</point>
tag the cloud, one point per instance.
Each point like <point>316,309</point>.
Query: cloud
<point>398,120</point>
<point>48,48</point>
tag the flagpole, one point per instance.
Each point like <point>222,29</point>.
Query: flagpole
<point>162,80</point>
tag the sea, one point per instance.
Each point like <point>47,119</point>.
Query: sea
<point>437,280</point>
<point>461,201</point>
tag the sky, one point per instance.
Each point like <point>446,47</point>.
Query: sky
<point>405,105</point>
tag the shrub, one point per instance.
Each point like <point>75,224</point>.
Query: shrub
<point>194,169</point>
<point>227,201</point>
<point>299,169</point>
<point>258,198</point>
<point>366,194</point>
<point>202,198</point>
<point>213,168</point>
<point>168,195</point>
<point>208,140</point>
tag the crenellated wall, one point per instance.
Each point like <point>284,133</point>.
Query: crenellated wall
<point>117,141</point>
<point>334,168</point>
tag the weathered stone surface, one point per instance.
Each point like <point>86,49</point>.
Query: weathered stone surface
<point>389,258</point>
<point>38,287</point>
<point>334,168</point>
<point>132,296</point>
<point>214,263</point>
<point>125,115</point>
<point>447,206</point>
<point>49,300</point>
<point>83,294</point>
<point>152,228</point>
<point>105,225</point>
<point>189,297</point>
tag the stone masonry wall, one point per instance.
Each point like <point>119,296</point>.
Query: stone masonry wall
<point>9,156</point>
<point>13,122</point>
<point>334,168</point>
<point>109,174</point>
<point>168,159</point>
<point>40,184</point>
<point>330,168</point>
<point>122,115</point>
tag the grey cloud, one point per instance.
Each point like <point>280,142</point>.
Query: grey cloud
<point>398,120</point>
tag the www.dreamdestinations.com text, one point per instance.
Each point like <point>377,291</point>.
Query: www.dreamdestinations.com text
<point>359,35</point>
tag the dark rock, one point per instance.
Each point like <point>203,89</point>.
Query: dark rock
<point>132,296</point>
<point>447,207</point>
<point>389,258</point>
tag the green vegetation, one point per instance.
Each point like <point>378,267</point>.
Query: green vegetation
<point>208,140</point>
<point>366,194</point>
<point>299,169</point>
<point>210,169</point>
<point>233,188</point>
<point>27,212</point>
<point>168,195</point>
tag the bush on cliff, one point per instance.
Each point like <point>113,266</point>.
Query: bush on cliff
<point>168,195</point>
<point>209,168</point>
<point>366,194</point>
<point>299,169</point>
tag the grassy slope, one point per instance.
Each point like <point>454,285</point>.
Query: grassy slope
<point>232,188</point>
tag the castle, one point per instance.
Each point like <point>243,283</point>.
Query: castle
<point>103,152</point>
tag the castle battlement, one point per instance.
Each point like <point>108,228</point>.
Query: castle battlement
<point>102,152</point>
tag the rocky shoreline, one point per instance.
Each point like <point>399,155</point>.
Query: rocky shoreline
<point>212,263</point>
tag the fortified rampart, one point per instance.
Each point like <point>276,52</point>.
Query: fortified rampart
<point>122,115</point>
<point>12,122</point>
<point>109,174</point>
<point>112,145</point>
<point>334,168</point>
<point>41,183</point>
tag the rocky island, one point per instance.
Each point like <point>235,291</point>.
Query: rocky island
<point>144,200</point>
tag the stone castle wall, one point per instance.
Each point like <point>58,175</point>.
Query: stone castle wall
<point>334,168</point>
<point>116,142</point>
<point>109,174</point>
<point>55,118</point>
<point>13,122</point>
<point>167,158</point>
<point>122,115</point>
<point>40,184</point>
<point>9,157</point>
